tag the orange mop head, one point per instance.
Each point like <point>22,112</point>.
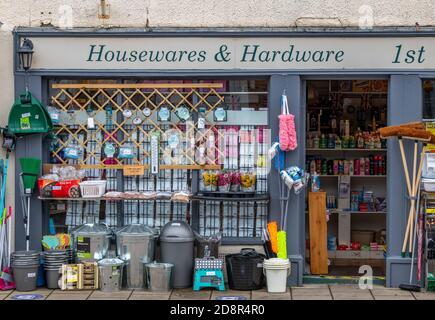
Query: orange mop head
<point>272,227</point>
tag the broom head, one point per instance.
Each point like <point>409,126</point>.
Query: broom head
<point>30,168</point>
<point>393,131</point>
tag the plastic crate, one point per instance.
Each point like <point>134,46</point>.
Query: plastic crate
<point>93,188</point>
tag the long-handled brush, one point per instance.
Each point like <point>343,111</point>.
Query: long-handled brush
<point>409,286</point>
<point>411,131</point>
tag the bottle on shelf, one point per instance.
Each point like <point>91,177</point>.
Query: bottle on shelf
<point>313,121</point>
<point>337,142</point>
<point>346,128</point>
<point>323,143</point>
<point>310,141</point>
<point>333,123</point>
<point>331,141</point>
<point>316,141</point>
<point>359,139</point>
<point>342,128</point>
<point>351,143</point>
<point>362,166</point>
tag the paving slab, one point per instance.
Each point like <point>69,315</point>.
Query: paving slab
<point>391,292</point>
<point>148,295</point>
<point>100,295</point>
<point>312,297</point>
<point>42,291</point>
<point>68,292</point>
<point>424,295</point>
<point>302,291</point>
<point>189,294</point>
<point>69,296</point>
<point>363,295</point>
<point>216,293</point>
<point>394,298</point>
<point>344,288</point>
<point>5,294</point>
<point>314,285</point>
<point>264,295</point>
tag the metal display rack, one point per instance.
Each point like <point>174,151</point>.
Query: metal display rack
<point>429,235</point>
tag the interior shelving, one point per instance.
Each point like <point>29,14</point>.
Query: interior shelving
<point>349,109</point>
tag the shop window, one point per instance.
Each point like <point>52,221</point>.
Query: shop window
<point>428,100</point>
<point>119,111</point>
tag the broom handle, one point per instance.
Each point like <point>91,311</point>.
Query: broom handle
<point>408,185</point>
<point>414,164</point>
<point>408,233</point>
<point>405,165</point>
<point>414,193</point>
<point>414,234</point>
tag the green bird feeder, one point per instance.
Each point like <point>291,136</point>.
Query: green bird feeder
<point>30,168</point>
<point>28,115</point>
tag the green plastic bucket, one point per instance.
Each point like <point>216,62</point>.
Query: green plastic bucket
<point>30,167</point>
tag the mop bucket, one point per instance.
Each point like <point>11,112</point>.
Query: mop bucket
<point>276,271</point>
<point>30,168</point>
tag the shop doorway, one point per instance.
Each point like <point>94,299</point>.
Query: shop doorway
<point>347,155</point>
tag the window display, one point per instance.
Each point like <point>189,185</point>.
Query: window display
<point>164,137</point>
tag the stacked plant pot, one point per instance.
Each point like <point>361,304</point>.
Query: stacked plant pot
<point>70,255</point>
<point>54,259</point>
<point>25,266</point>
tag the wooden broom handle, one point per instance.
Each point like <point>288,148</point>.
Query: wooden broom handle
<point>414,193</point>
<point>416,186</point>
<point>409,227</point>
<point>405,165</point>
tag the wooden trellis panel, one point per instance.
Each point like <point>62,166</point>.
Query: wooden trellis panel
<point>76,102</point>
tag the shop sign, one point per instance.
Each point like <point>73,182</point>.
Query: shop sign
<point>208,53</point>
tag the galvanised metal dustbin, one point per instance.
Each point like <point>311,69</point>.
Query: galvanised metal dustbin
<point>135,243</point>
<point>176,246</point>
<point>91,241</point>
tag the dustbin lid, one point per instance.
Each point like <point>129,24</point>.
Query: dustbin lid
<point>177,231</point>
<point>92,228</point>
<point>137,229</point>
<point>111,262</point>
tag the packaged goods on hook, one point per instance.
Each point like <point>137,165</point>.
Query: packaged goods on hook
<point>273,150</point>
<point>295,177</point>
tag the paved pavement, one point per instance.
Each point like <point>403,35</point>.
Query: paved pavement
<point>307,292</point>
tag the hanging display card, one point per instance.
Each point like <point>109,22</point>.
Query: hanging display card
<point>138,170</point>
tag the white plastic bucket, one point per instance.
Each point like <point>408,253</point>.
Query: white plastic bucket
<point>276,271</point>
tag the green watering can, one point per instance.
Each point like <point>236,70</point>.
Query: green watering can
<point>28,115</point>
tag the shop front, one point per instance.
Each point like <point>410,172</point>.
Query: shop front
<point>113,92</point>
